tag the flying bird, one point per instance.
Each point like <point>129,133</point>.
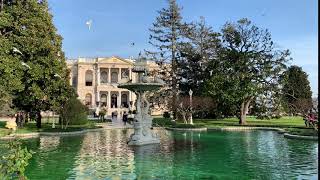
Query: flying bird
<point>132,44</point>
<point>57,75</point>
<point>25,64</point>
<point>16,50</point>
<point>89,23</point>
<point>211,72</point>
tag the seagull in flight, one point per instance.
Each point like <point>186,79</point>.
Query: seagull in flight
<point>57,75</point>
<point>16,50</point>
<point>89,23</point>
<point>25,64</point>
<point>211,72</point>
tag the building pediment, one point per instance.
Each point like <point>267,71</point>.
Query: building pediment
<point>114,60</point>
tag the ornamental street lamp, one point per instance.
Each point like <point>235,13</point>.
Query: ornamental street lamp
<point>190,93</point>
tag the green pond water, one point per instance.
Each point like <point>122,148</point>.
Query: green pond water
<point>180,155</point>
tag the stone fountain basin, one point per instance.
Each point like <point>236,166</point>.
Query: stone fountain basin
<point>140,86</point>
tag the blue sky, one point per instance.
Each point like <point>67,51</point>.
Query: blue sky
<point>292,23</point>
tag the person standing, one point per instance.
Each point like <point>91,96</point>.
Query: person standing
<point>125,117</point>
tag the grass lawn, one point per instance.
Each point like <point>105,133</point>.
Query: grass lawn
<point>294,125</point>
<point>31,127</point>
<point>285,122</point>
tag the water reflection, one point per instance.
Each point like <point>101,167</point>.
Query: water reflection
<point>180,155</point>
<point>49,142</point>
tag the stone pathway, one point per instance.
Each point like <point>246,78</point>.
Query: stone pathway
<point>115,124</point>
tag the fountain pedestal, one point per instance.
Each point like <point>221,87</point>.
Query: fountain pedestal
<point>142,121</point>
<point>143,135</point>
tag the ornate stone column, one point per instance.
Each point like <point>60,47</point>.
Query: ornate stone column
<point>119,99</point>
<point>109,75</point>
<point>109,99</point>
<point>119,75</point>
<point>130,73</point>
<point>98,76</point>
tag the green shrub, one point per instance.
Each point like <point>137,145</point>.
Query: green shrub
<point>163,122</point>
<point>166,114</point>
<point>14,162</point>
<point>188,125</point>
<point>74,113</point>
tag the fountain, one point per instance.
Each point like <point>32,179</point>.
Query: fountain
<point>142,121</point>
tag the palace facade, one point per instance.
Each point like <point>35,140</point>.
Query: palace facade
<point>96,82</point>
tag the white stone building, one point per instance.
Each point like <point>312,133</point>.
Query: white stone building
<point>96,81</point>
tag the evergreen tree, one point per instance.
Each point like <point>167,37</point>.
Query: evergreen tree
<point>297,95</point>
<point>165,36</point>
<point>198,54</point>
<point>33,41</point>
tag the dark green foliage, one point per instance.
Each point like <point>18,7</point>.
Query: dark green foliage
<point>196,54</point>
<point>297,95</point>
<point>166,114</point>
<point>74,113</point>
<point>187,125</point>
<point>162,122</point>
<point>249,65</point>
<point>42,83</point>
<point>14,162</point>
<point>165,36</point>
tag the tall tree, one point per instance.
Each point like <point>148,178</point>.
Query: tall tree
<point>197,53</point>
<point>165,36</point>
<point>249,65</point>
<point>297,95</point>
<point>11,68</point>
<point>35,44</point>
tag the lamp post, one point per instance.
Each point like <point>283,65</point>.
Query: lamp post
<point>190,94</point>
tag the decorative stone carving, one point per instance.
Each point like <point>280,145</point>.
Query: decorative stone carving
<point>143,120</point>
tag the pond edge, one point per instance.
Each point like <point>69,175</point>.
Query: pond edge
<point>236,128</point>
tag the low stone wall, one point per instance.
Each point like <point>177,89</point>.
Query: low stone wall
<point>293,136</point>
<point>232,128</point>
<point>37,134</point>
<point>20,136</point>
<point>236,128</point>
<point>186,129</point>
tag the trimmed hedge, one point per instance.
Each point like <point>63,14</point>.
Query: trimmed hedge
<point>163,122</point>
<point>188,126</point>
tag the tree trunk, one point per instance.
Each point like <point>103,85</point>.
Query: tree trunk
<point>38,119</point>
<point>27,117</point>
<point>183,114</point>
<point>244,110</point>
<point>242,119</point>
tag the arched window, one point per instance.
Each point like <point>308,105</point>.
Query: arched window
<point>104,77</point>
<point>124,100</point>
<point>114,77</point>
<point>103,100</point>
<point>89,78</point>
<point>114,101</point>
<point>88,99</point>
<point>124,73</point>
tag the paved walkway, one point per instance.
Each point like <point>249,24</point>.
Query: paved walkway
<point>116,123</point>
